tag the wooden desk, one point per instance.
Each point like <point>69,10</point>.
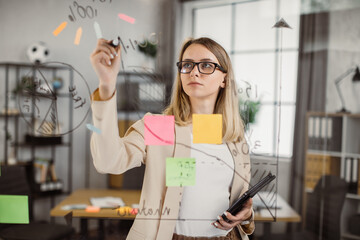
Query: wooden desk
<point>285,213</point>
<point>82,196</point>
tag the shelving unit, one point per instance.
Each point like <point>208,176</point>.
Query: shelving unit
<point>333,147</point>
<point>17,124</point>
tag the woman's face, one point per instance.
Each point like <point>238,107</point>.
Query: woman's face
<point>197,85</point>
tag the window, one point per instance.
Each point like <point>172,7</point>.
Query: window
<point>263,59</point>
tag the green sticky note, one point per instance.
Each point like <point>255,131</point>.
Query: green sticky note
<point>180,171</point>
<point>14,209</point>
<point>207,128</point>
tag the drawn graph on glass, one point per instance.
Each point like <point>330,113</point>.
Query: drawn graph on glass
<point>42,103</point>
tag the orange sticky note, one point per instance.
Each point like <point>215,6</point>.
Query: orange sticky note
<point>78,36</point>
<point>59,28</point>
<point>207,128</point>
<point>159,130</point>
<point>92,209</point>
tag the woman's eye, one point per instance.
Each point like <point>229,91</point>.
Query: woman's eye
<point>187,65</point>
<point>206,65</point>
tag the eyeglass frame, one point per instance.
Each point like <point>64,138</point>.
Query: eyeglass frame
<point>197,64</point>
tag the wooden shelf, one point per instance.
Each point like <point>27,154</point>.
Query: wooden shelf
<point>334,154</point>
<point>337,132</point>
<point>325,114</point>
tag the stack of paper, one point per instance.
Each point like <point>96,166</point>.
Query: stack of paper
<point>107,202</point>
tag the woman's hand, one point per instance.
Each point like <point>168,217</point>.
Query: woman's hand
<point>105,60</point>
<point>243,215</point>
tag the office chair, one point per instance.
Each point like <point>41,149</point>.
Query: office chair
<point>323,211</point>
<point>13,181</point>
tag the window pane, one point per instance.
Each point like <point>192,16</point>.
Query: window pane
<point>286,130</point>
<point>290,11</point>
<point>257,69</point>
<point>253,25</point>
<point>289,76</point>
<point>214,22</point>
<point>262,131</point>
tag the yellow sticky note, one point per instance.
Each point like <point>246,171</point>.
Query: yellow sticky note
<point>207,128</point>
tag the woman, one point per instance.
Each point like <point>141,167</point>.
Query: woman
<point>204,85</point>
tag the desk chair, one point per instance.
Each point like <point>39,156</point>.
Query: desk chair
<point>324,206</point>
<point>13,181</point>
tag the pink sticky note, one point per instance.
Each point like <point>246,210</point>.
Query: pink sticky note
<point>159,130</point>
<point>126,18</point>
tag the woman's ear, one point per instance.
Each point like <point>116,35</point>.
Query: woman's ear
<point>223,83</point>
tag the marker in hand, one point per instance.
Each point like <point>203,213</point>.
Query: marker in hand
<point>115,42</point>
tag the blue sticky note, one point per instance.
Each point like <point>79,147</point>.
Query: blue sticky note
<point>93,128</point>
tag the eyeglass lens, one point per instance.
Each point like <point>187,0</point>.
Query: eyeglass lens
<point>203,67</point>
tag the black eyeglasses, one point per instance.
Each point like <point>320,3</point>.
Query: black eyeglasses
<point>203,67</point>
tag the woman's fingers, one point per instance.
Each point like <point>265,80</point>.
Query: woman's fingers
<point>103,58</point>
<point>241,216</point>
<point>104,46</point>
<point>222,224</point>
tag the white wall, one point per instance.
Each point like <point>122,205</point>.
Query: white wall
<point>344,53</point>
<point>23,22</point>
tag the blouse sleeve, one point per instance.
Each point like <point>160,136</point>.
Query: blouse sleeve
<point>111,153</point>
<point>250,226</point>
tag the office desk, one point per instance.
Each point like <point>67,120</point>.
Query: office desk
<point>82,196</point>
<point>284,214</point>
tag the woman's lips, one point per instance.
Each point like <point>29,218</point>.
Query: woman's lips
<point>194,83</point>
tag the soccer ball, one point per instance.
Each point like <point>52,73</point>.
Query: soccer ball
<point>38,52</point>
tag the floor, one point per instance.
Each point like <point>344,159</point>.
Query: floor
<point>114,230</point>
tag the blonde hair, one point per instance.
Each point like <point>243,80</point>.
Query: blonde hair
<point>227,99</point>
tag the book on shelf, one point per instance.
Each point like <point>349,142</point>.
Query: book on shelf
<point>325,133</point>
<point>318,165</point>
<point>351,174</point>
<point>358,191</point>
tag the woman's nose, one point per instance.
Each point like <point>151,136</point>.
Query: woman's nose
<point>195,71</point>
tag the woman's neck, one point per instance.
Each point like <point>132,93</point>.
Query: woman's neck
<point>202,106</point>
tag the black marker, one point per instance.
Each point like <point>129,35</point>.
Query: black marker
<point>115,42</point>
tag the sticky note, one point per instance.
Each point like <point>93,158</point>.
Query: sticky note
<point>59,28</point>
<point>126,18</point>
<point>97,30</point>
<point>159,130</point>
<point>134,211</point>
<point>78,36</point>
<point>207,128</point>
<point>180,171</point>
<point>93,128</point>
<point>123,211</point>
<point>92,209</point>
<point>14,209</point>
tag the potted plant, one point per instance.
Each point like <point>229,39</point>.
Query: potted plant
<point>149,49</point>
<point>248,111</point>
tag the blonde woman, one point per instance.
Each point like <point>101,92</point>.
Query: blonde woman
<point>204,85</point>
